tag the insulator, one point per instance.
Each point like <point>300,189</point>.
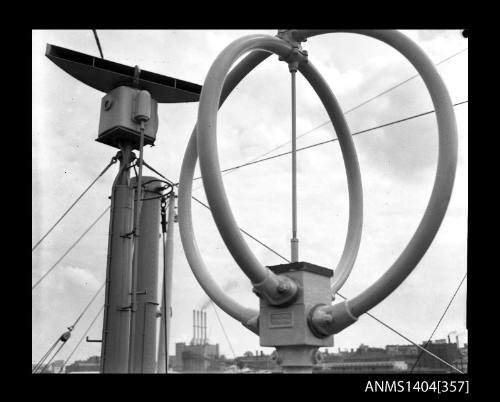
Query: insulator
<point>142,108</point>
<point>64,337</point>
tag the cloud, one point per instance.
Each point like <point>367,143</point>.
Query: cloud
<point>226,288</point>
<point>432,34</point>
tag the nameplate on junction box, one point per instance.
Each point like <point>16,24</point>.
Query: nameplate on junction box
<point>281,320</point>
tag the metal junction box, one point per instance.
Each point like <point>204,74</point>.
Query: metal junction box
<point>117,122</point>
<point>282,326</point>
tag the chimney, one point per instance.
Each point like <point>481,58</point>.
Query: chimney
<point>197,327</point>
<point>449,341</point>
<point>204,327</point>
<point>200,327</point>
<point>457,342</point>
<point>194,327</point>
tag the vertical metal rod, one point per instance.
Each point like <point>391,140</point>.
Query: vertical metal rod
<point>294,240</point>
<point>137,233</point>
<point>168,258</point>
<point>161,359</point>
<point>161,363</point>
<point>169,252</point>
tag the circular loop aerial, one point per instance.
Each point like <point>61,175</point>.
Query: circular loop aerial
<point>256,271</point>
<point>204,137</point>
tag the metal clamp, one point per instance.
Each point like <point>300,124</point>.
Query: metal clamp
<point>128,235</point>
<point>137,72</point>
<point>297,55</point>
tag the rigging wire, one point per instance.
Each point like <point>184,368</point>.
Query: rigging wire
<point>333,139</point>
<point>88,305</point>
<point>223,330</point>
<point>359,105</point>
<point>44,357</point>
<point>69,249</point>
<point>369,314</point>
<point>439,322</point>
<point>52,358</point>
<point>81,339</point>
<point>113,160</point>
<point>67,335</point>
<point>409,340</point>
<point>245,232</point>
<point>414,343</point>
<point>98,43</point>
<point>165,206</point>
<point>258,159</point>
<point>158,173</point>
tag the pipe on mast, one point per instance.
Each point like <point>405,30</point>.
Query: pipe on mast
<point>144,335</point>
<point>116,322</point>
<point>168,258</point>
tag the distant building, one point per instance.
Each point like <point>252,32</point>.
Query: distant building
<point>57,366</point>
<point>92,364</point>
<point>410,350</point>
<point>52,368</point>
<point>394,358</point>
<point>204,357</point>
<point>462,363</point>
<point>447,351</point>
<point>257,362</point>
<point>363,367</point>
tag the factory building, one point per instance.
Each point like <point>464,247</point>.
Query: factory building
<point>199,354</point>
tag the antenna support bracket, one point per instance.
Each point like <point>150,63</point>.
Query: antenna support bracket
<point>298,55</point>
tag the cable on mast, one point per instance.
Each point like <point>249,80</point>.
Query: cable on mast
<point>81,339</point>
<point>333,140</point>
<point>98,43</point>
<point>66,335</point>
<point>439,322</point>
<point>346,112</point>
<point>69,249</point>
<point>113,160</point>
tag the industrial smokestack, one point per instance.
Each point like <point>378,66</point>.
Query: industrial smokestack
<point>206,340</point>
<point>205,327</point>
<point>197,328</point>
<point>449,341</point>
<point>202,323</point>
<point>202,335</point>
<point>457,342</point>
<point>194,327</point>
<point>201,328</point>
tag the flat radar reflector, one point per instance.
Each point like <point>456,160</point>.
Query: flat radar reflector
<point>105,75</point>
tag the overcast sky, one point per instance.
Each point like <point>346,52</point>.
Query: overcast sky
<point>397,167</point>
